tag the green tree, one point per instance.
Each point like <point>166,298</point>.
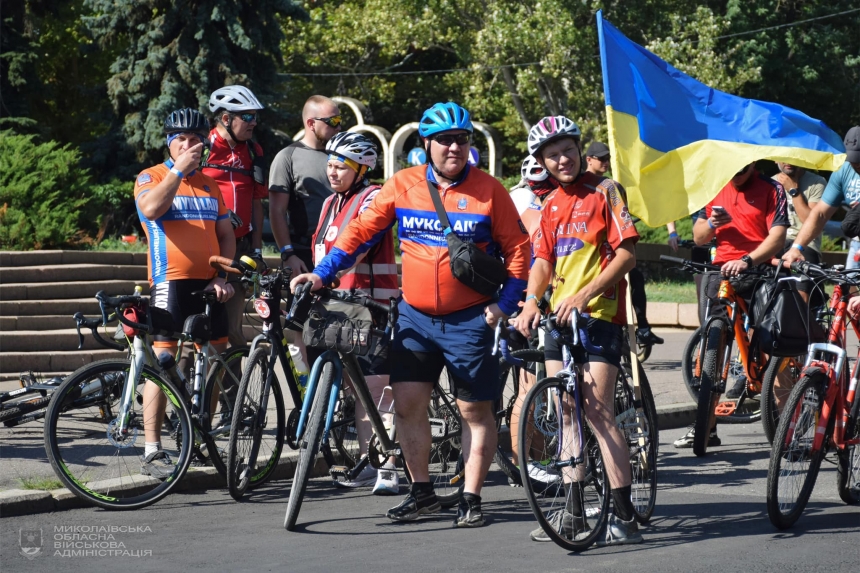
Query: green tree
<point>174,54</point>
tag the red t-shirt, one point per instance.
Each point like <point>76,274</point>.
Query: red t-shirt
<point>238,189</point>
<point>755,208</point>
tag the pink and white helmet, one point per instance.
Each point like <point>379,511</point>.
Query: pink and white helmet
<point>549,129</point>
<point>531,170</point>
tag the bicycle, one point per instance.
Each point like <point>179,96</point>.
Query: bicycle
<point>318,411</point>
<point>94,424</point>
<point>256,441</point>
<point>637,418</point>
<point>27,403</point>
<point>821,412</point>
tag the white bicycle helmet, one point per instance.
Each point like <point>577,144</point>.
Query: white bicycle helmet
<point>233,99</point>
<point>549,129</point>
<point>354,146</point>
<point>532,170</point>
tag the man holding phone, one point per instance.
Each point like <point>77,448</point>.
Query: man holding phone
<point>749,219</point>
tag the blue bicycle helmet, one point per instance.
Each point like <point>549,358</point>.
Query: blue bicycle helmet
<point>444,117</point>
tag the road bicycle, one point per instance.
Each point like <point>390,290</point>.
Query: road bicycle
<point>821,413</point>
<point>27,403</point>
<point>317,418</point>
<point>261,428</point>
<point>95,422</point>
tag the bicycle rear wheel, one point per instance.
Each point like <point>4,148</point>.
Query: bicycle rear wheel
<point>446,464</point>
<point>793,462</point>
<point>789,369</point>
<point>546,449</point>
<point>251,429</point>
<point>219,399</point>
<point>343,435</point>
<point>514,389</point>
<point>639,427</point>
<point>89,455</point>
<point>309,445</point>
<point>848,474</point>
<point>715,347</point>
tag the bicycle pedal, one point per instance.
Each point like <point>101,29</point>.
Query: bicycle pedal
<point>339,472</point>
<point>438,427</point>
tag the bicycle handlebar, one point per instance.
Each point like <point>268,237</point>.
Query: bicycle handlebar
<point>93,324</point>
<point>689,265</point>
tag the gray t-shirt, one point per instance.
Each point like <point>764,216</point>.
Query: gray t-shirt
<point>812,187</point>
<point>300,169</point>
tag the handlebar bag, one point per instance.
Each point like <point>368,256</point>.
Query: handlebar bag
<point>341,326</point>
<point>785,327</point>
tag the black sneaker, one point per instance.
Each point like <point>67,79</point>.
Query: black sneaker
<point>646,337</point>
<point>737,390</point>
<point>158,465</point>
<point>410,508</point>
<point>469,512</point>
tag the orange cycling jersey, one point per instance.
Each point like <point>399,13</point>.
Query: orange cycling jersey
<point>182,240</point>
<point>582,224</point>
<point>479,209</point>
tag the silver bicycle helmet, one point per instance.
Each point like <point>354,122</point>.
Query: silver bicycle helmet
<point>233,99</point>
<point>549,129</point>
<point>354,146</point>
<point>531,170</point>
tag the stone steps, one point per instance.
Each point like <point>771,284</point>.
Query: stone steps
<point>72,273</point>
<point>66,290</point>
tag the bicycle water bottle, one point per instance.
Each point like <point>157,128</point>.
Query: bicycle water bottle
<point>300,368</point>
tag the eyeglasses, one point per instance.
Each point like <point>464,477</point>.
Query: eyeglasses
<point>602,159</point>
<point>247,117</point>
<point>332,121</point>
<point>447,140</point>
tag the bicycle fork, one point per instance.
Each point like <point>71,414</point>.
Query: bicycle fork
<point>328,357</point>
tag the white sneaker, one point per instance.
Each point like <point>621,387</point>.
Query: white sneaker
<point>365,478</point>
<point>538,472</point>
<point>387,481</point>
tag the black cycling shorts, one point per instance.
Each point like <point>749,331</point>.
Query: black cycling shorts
<point>175,297</point>
<point>601,333</point>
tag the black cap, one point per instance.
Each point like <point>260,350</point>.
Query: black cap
<point>597,149</point>
<point>852,144</point>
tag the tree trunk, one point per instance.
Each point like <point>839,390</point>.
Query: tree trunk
<point>515,97</point>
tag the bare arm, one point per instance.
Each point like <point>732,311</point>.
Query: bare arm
<point>801,207</point>
<point>278,203</point>
<point>814,223</point>
<point>770,246</point>
<point>157,201</point>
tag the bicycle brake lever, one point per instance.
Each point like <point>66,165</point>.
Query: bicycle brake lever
<point>78,316</point>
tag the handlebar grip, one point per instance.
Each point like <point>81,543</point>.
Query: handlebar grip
<point>229,266</point>
<point>678,260</point>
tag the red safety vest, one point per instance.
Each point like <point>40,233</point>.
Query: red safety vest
<point>376,273</point>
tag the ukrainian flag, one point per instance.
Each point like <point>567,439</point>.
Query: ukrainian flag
<point>676,142</point>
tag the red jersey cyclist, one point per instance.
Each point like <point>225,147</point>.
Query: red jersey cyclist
<point>587,240</point>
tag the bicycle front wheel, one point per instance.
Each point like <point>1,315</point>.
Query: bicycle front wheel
<point>688,364</point>
<point>93,458</point>
<point>712,361</point>
<point>219,399</point>
<point>794,462</point>
<point>253,428</point>
<point>568,496</point>
<point>786,370</point>
<point>640,430</point>
<point>309,445</point>
<point>446,466</point>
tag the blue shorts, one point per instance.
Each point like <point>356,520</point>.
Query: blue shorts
<point>461,342</point>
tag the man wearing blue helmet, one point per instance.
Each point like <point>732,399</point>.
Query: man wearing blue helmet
<point>443,323</point>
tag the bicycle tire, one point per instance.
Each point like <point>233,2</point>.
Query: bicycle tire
<point>244,432</point>
<point>848,474</point>
<point>643,465</point>
<point>715,347</point>
<point>309,445</point>
<point>688,364</point>
<point>769,409</point>
<point>96,465</point>
<point>508,408</point>
<point>643,352</point>
<point>216,421</point>
<point>10,414</point>
<point>446,455</point>
<point>547,495</point>
<point>790,458</point>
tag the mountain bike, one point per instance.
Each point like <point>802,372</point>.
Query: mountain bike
<point>317,418</point>
<point>28,402</point>
<point>822,411</point>
<point>94,425</point>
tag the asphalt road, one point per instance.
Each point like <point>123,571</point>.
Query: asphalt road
<point>710,516</point>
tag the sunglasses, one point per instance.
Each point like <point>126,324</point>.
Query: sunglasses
<point>448,140</point>
<point>332,121</point>
<point>602,159</point>
<point>247,117</point>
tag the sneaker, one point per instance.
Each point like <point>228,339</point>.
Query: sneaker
<point>646,337</point>
<point>564,523</point>
<point>366,477</point>
<point>387,481</point>
<point>157,464</point>
<point>617,532</point>
<point>738,389</point>
<point>410,508</point>
<point>686,441</point>
<point>469,512</point>
<point>538,472</point>
<point>515,481</point>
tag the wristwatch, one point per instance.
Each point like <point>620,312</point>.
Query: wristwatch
<point>793,192</point>
<point>748,260</point>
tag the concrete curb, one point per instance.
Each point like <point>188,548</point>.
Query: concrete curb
<point>29,502</point>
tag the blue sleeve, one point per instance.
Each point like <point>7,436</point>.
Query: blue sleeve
<point>834,192</point>
<point>511,294</point>
<point>335,261</point>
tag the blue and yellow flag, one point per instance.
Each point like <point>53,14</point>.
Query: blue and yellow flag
<point>676,142</point>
